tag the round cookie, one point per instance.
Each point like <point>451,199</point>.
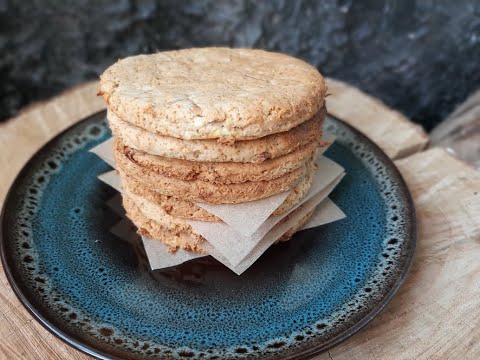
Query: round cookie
<point>220,173</point>
<point>188,210</point>
<point>251,151</point>
<point>203,191</point>
<point>211,93</point>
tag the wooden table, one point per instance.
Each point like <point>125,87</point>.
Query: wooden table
<point>435,315</point>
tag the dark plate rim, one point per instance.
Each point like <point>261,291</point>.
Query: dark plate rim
<point>70,340</point>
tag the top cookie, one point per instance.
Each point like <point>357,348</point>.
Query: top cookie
<point>213,93</point>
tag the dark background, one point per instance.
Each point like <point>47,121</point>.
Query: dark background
<point>421,57</point>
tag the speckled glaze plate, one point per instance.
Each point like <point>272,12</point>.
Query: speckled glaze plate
<point>97,293</point>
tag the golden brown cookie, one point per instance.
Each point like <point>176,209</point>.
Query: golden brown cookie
<point>202,191</point>
<point>251,151</point>
<point>219,173</point>
<point>212,93</point>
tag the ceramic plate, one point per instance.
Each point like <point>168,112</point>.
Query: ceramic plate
<point>97,293</point>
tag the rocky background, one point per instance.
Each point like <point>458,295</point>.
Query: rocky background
<point>421,57</point>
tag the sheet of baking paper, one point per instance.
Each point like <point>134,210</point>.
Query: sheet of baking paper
<point>125,230</point>
<point>105,152</point>
<point>245,218</point>
<point>159,257</point>
<point>325,212</point>
<point>115,203</point>
<point>235,247</point>
<point>112,178</point>
<point>271,237</point>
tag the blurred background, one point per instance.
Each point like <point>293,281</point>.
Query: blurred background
<point>420,57</point>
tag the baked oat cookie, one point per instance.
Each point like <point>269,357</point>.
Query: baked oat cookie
<point>249,151</point>
<point>202,191</point>
<point>223,172</point>
<point>213,93</point>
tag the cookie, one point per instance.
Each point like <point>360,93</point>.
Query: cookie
<point>202,191</point>
<point>213,93</point>
<point>251,151</point>
<point>188,210</point>
<point>219,173</point>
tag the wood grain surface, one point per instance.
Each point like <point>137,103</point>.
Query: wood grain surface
<point>389,129</point>
<point>460,131</point>
<point>437,311</point>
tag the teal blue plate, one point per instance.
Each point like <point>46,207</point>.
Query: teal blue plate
<point>98,294</point>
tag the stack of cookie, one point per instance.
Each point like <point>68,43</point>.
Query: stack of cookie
<point>214,126</point>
